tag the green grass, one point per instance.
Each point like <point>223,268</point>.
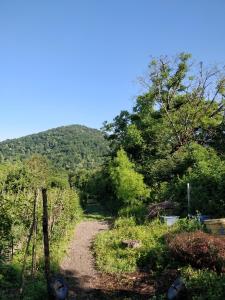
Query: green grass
<point>113,257</point>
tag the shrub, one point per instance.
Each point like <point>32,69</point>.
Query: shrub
<point>137,211</point>
<point>204,284</point>
<point>153,254</point>
<point>198,249</point>
<point>112,257</point>
<point>128,184</point>
<point>124,222</point>
<point>187,225</point>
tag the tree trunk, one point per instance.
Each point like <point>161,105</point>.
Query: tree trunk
<point>12,248</point>
<point>46,240</point>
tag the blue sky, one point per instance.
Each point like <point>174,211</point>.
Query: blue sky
<point>77,61</point>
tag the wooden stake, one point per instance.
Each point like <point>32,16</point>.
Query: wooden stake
<point>46,240</point>
<point>33,268</point>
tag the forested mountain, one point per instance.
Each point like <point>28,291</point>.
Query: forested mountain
<point>68,147</point>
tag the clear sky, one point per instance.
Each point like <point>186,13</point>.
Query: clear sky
<point>76,61</point>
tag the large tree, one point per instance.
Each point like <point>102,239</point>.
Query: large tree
<point>183,102</point>
<point>182,107</point>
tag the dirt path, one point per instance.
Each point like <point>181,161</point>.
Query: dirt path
<point>86,283</point>
<point>78,264</point>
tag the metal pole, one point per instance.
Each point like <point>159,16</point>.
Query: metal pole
<point>188,198</point>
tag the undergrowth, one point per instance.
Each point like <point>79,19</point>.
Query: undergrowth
<point>204,284</point>
<point>35,287</point>
<point>113,257</point>
<point>154,255</point>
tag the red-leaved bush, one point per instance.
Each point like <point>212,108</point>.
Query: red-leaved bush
<point>198,249</point>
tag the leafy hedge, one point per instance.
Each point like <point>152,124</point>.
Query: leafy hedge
<point>21,185</point>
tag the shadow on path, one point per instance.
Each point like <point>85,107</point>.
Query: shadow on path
<point>77,290</point>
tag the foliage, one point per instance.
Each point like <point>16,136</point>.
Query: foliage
<point>64,209</point>
<point>68,147</point>
<point>129,186</point>
<point>172,130</point>
<point>21,185</point>
<point>198,249</point>
<point>187,225</point>
<point>124,222</point>
<point>100,187</point>
<point>204,284</point>
<point>85,181</point>
<point>137,210</point>
<point>112,257</point>
<point>206,181</point>
<point>177,108</point>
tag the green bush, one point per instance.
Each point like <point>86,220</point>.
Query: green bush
<point>137,211</point>
<point>9,275</point>
<point>187,225</point>
<point>129,186</point>
<point>112,256</point>
<point>206,181</point>
<point>22,184</point>
<point>204,284</point>
<point>124,222</point>
<point>35,289</point>
<point>65,209</point>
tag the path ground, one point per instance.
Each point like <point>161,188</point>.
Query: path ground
<point>85,282</point>
<point>78,265</point>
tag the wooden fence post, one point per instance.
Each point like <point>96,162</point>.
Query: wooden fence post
<point>46,240</point>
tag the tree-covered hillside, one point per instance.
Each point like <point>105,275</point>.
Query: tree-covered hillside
<point>69,147</point>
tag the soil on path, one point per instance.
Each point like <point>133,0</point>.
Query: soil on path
<point>86,283</point>
<point>78,265</point>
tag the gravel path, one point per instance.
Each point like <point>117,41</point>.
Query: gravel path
<point>78,265</point>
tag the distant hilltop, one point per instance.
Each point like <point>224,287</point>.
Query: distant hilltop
<point>67,147</point>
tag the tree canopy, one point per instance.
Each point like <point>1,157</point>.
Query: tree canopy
<point>182,109</point>
<point>182,103</point>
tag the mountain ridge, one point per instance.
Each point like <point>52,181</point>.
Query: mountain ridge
<point>45,130</point>
<point>69,146</point>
